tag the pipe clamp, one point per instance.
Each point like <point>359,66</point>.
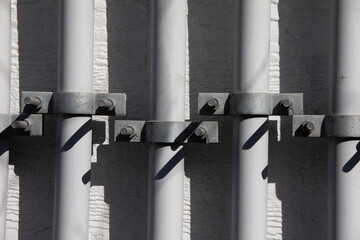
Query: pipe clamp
<point>261,104</point>
<point>166,132</point>
<point>75,103</point>
<point>341,126</point>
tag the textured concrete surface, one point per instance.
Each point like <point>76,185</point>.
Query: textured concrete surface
<point>297,167</point>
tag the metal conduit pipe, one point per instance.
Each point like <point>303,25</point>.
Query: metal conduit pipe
<point>166,168</point>
<point>344,171</point>
<point>250,134</point>
<point>5,61</point>
<point>74,136</point>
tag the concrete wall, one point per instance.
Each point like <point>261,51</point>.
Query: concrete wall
<point>297,207</point>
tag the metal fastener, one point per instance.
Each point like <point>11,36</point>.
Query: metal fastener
<point>201,132</point>
<point>106,103</point>
<point>213,103</point>
<point>286,104</point>
<point>127,131</point>
<point>35,101</point>
<point>308,127</point>
<point>22,124</point>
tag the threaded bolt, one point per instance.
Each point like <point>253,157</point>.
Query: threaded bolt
<point>35,101</point>
<point>201,132</point>
<point>213,103</point>
<point>308,126</point>
<point>286,104</point>
<point>106,103</point>
<point>25,124</point>
<point>127,131</point>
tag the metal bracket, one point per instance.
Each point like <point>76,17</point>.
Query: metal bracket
<point>77,103</point>
<point>262,104</point>
<point>166,132</point>
<point>21,124</point>
<point>341,126</point>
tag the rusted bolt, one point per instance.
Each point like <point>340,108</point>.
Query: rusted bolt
<point>213,103</point>
<point>21,124</point>
<point>286,104</point>
<point>127,131</point>
<point>106,103</point>
<point>35,101</point>
<point>201,132</point>
<point>308,126</point>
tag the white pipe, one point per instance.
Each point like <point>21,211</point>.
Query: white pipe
<point>166,174</point>
<point>250,148</point>
<point>74,138</point>
<point>5,61</point>
<point>344,169</point>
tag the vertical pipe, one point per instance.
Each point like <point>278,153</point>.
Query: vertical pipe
<point>5,61</point>
<point>250,134</point>
<point>166,168</point>
<point>344,169</point>
<point>73,160</point>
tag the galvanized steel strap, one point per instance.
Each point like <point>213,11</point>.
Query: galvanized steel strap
<point>341,126</point>
<point>261,104</point>
<point>166,132</point>
<point>76,103</point>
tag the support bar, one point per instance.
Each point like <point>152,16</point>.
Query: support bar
<point>166,167</point>
<point>250,141</point>
<point>74,141</point>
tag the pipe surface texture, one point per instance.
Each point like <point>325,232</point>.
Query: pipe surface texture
<point>5,61</point>
<point>74,136</point>
<point>250,143</point>
<point>166,168</point>
<point>344,155</point>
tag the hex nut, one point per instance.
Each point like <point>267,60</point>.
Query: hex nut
<point>213,103</point>
<point>127,131</point>
<point>201,132</point>
<point>308,127</point>
<point>286,104</point>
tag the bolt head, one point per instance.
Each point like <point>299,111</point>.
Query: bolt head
<point>127,131</point>
<point>286,104</point>
<point>201,132</point>
<point>213,102</point>
<point>309,126</point>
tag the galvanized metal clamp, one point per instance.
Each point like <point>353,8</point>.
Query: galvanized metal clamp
<point>21,124</point>
<point>341,126</point>
<point>75,103</point>
<point>258,104</point>
<point>166,132</point>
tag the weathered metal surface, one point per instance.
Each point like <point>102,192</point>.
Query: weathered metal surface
<point>262,104</point>
<point>77,103</point>
<point>166,132</point>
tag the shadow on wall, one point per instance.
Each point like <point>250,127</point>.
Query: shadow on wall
<point>298,167</point>
<point>208,167</point>
<point>33,157</point>
<point>122,168</point>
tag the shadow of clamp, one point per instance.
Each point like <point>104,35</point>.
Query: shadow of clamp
<point>21,124</point>
<point>250,104</point>
<point>342,126</point>
<point>74,103</point>
<point>166,132</point>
